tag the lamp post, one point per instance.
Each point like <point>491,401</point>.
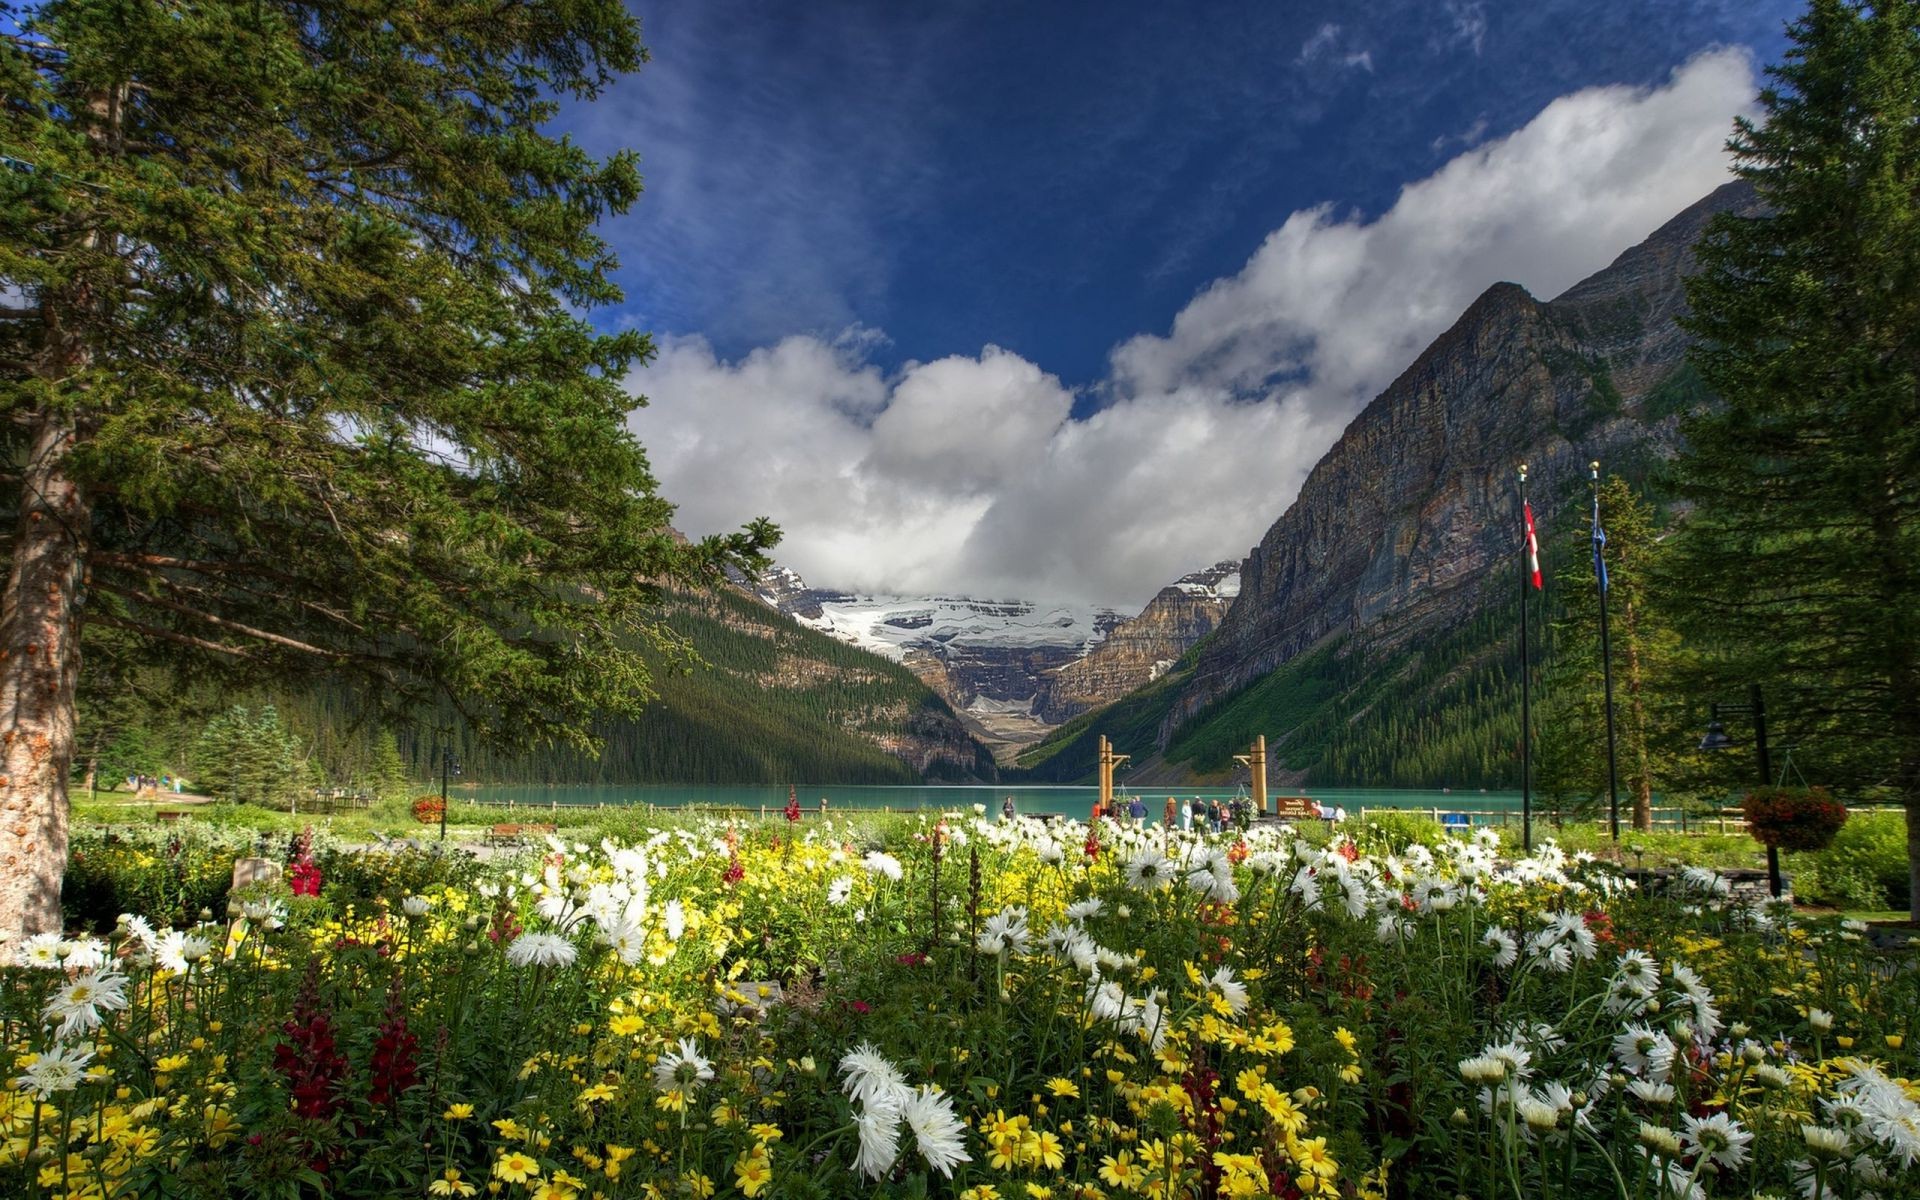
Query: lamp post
<point>1717,739</point>
<point>448,766</point>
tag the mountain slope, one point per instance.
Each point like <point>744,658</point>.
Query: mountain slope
<point>1139,650</point>
<point>1394,565</point>
<point>778,703</point>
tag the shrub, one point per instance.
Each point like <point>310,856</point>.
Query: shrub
<point>1794,818</point>
<point>1393,832</point>
<point>358,875</point>
<point>168,874</point>
<point>1865,867</point>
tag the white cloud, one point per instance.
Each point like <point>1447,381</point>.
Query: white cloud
<point>1323,45</point>
<point>970,474</point>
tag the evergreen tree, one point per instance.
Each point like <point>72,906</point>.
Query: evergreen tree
<point>389,770</point>
<point>295,380</point>
<point>1804,546</point>
<point>1651,711</point>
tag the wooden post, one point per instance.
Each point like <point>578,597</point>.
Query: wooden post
<point>1108,761</point>
<point>1255,760</point>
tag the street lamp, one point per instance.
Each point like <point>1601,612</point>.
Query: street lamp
<point>1716,739</point>
<point>449,765</point>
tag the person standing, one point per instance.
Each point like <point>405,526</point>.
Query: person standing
<point>1006,809</point>
<point>1171,806</point>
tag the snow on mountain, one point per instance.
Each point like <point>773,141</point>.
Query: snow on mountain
<point>894,625</point>
<point>1220,581</point>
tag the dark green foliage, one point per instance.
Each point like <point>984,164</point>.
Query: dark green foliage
<point>296,289</point>
<point>169,875</point>
<point>1681,393</point>
<point>251,758</point>
<point>1865,866</point>
<point>775,702</point>
<point>1348,712</point>
<point>1803,552</point>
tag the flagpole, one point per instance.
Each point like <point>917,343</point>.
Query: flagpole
<point>1606,659</point>
<point>1526,696</point>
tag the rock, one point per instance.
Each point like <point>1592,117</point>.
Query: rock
<point>1401,526</point>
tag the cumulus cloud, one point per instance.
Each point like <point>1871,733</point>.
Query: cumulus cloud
<point>971,474</point>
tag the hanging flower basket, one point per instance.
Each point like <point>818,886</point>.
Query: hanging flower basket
<point>427,809</point>
<point>1794,818</point>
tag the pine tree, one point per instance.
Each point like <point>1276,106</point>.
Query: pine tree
<point>295,380</point>
<point>1651,711</point>
<point>1804,547</point>
<point>389,770</point>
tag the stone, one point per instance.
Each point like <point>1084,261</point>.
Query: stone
<point>249,871</point>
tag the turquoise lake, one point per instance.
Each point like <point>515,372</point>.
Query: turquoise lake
<point>1072,801</point>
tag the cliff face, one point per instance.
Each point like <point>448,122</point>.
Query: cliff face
<point>1412,512</point>
<point>1140,650</point>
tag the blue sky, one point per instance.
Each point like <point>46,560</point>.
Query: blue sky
<point>884,186</point>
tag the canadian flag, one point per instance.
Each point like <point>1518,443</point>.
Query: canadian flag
<point>1533,546</point>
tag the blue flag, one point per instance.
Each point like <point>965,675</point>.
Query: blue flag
<point>1599,544</point>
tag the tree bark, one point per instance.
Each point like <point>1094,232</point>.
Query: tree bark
<point>1639,768</point>
<point>39,668</point>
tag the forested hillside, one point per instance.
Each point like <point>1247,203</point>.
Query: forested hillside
<point>776,703</point>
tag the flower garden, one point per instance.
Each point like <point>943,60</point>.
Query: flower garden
<point>956,1007</point>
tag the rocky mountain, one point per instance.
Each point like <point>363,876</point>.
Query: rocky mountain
<point>991,660</point>
<point>1402,538</point>
<point>1138,651</point>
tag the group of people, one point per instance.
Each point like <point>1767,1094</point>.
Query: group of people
<point>142,784</point>
<point>1199,812</point>
<point>1216,815</point>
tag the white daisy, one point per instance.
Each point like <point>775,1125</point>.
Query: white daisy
<point>1721,1138</point>
<point>1506,951</point>
<point>1231,990</point>
<point>839,890</point>
<point>681,1068</point>
<point>879,1128</point>
<point>178,951</point>
<point>77,1006</point>
<point>941,1137</point>
<point>1084,910</point>
<point>878,862</point>
<point>1148,871</point>
<point>542,950</point>
<point>871,1079</point>
<point>58,1070</point>
<point>41,951</point>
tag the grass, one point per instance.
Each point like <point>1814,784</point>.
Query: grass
<point>466,822</point>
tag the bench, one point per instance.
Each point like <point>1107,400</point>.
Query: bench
<point>1295,808</point>
<point>1452,821</point>
<point>516,835</point>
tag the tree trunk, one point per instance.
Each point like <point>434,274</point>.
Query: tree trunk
<point>1639,769</point>
<point>39,668</point>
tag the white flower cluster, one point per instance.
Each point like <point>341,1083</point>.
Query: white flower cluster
<point>884,1101</point>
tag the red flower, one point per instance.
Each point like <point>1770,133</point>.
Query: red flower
<point>736,870</point>
<point>396,1062</point>
<point>304,878</point>
<point>309,1058</point>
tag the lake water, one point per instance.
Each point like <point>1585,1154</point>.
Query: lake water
<point>1072,801</point>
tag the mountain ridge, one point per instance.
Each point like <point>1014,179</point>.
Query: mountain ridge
<point>1396,538</point>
